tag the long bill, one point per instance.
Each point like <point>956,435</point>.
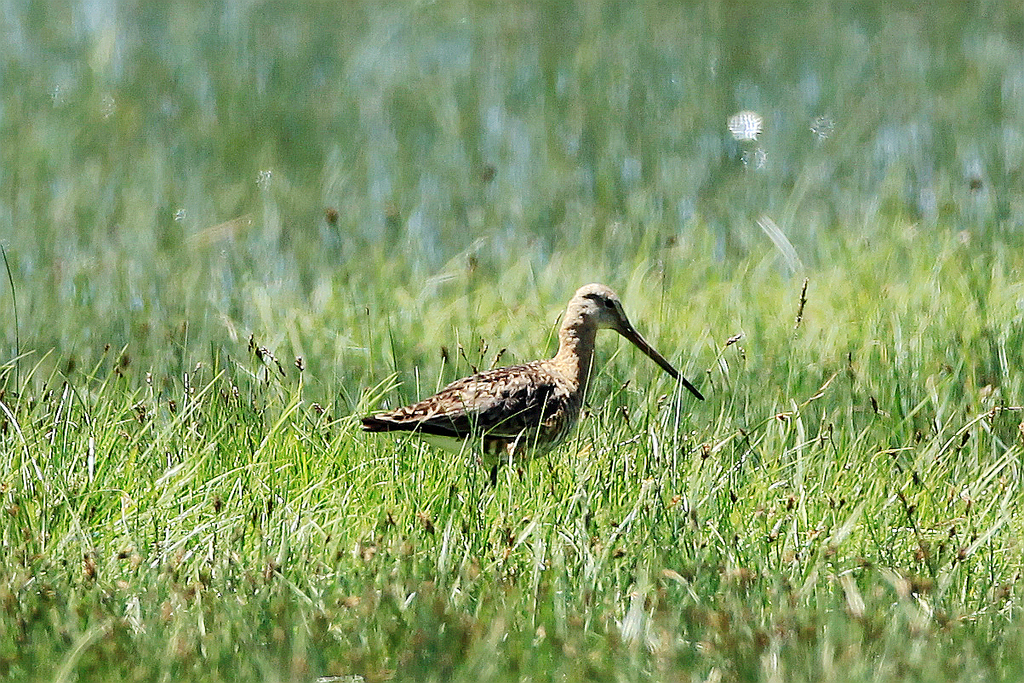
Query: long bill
<point>630,333</point>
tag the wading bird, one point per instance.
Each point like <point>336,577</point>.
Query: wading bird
<point>523,408</point>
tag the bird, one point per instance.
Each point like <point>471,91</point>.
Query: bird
<point>523,409</point>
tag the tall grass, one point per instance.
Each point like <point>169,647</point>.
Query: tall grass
<point>844,502</point>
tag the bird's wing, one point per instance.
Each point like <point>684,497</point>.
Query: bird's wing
<point>502,402</point>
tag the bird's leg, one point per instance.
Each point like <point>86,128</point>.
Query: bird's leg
<point>505,452</point>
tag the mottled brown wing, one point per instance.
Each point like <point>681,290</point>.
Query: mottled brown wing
<point>502,403</point>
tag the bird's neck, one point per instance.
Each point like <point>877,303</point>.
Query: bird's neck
<point>575,351</point>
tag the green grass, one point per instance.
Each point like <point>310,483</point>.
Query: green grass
<point>184,490</point>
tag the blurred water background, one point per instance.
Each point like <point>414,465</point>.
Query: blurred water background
<point>176,176</point>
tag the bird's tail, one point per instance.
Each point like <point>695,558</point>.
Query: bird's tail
<point>372,423</point>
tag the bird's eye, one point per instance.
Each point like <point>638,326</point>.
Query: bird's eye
<point>608,303</point>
